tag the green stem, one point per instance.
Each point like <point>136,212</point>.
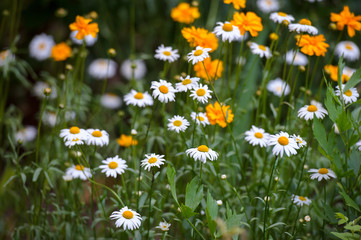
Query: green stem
<point>150,203</point>
<point>39,126</point>
<point>195,229</point>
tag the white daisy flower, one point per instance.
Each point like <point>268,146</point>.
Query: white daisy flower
<point>227,32</point>
<point>202,153</point>
<point>201,93</point>
<point>163,90</point>
<point>186,83</point>
<point>138,99</point>
<point>280,17</point>
<point>268,6</point>
<point>102,68</point>
<point>71,143</point>
<point>138,66</point>
<point>303,26</point>
<point>40,46</point>
<point>67,177</point>
<point>257,136</point>
<point>127,217</point>
<point>164,226</point>
<point>6,57</point>
<point>38,90</point>
<point>358,145</point>
<point>348,96</point>
<point>201,118</point>
<point>78,171</point>
<point>299,60</point>
<point>283,144</point>
<point>49,118</point>
<point>152,160</point>
<point>113,166</point>
<point>300,200</point>
<point>178,123</point>
<point>278,87</point>
<point>110,100</point>
<point>308,111</point>
<point>74,133</point>
<point>322,173</point>
<point>198,55</point>
<point>27,134</point>
<point>166,54</point>
<point>348,49</point>
<point>300,142</point>
<point>97,137</point>
<point>89,39</point>
<point>260,50</point>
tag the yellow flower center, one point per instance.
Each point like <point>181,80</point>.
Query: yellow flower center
<point>283,140</point>
<point>41,46</point>
<point>186,81</point>
<point>97,133</point>
<point>312,108</point>
<point>167,53</point>
<point>74,130</point>
<point>138,95</point>
<point>79,167</point>
<point>203,148</point>
<point>177,123</point>
<point>113,165</point>
<point>163,89</point>
<point>348,46</point>
<point>258,135</point>
<point>269,2</point>
<point>348,93</point>
<point>75,140</point>
<point>302,198</point>
<point>201,92</point>
<point>227,27</point>
<point>323,171</point>
<point>198,52</point>
<point>305,21</point>
<point>127,214</point>
<point>263,48</point>
<point>282,14</point>
<point>200,118</point>
<point>152,160</point>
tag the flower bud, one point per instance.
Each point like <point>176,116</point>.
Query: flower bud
<point>61,12</point>
<point>223,176</point>
<point>273,36</point>
<point>112,52</point>
<point>332,26</point>
<point>47,91</point>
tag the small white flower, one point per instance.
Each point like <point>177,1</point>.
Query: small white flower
<point>74,142</point>
<point>348,96</point>
<point>223,176</point>
<point>97,137</point>
<point>152,160</point>
<point>178,124</point>
<point>113,166</point>
<point>201,93</point>
<point>300,200</point>
<point>137,67</point>
<point>111,101</point>
<point>260,50</point>
<point>219,202</point>
<point>133,132</point>
<point>163,90</point>
<point>128,218</point>
<point>322,173</point>
<point>227,32</point>
<point>166,54</point>
<point>257,136</point>
<point>348,49</point>
<point>102,68</point>
<point>303,26</point>
<point>74,133</point>
<point>280,17</point>
<point>138,99</point>
<point>307,218</point>
<point>164,226</point>
<point>78,171</point>
<point>278,87</point>
<point>298,60</point>
<point>27,134</point>
<point>358,145</point>
<point>89,39</point>
<point>40,46</point>
<point>268,6</point>
<point>283,144</point>
<point>202,153</point>
<point>201,118</point>
<point>198,55</point>
<point>186,83</point>
<point>300,142</point>
<point>308,111</point>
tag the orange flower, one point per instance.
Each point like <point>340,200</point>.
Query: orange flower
<point>219,115</point>
<point>347,18</point>
<point>211,67</point>
<point>333,71</point>
<point>84,28</point>
<point>200,37</point>
<point>247,22</point>
<point>236,3</point>
<point>313,45</point>
<point>60,52</point>
<point>184,13</point>
<point>126,141</point>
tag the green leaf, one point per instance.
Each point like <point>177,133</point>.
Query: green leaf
<point>355,79</point>
<point>36,174</point>
<point>194,194</point>
<point>48,179</point>
<point>275,225</point>
<point>320,134</point>
<point>330,214</point>
<point>345,236</point>
<point>234,221</point>
<point>333,110</point>
<point>355,228</point>
<point>187,211</point>
<point>211,213</point>
<point>170,176</point>
<point>343,122</point>
<point>343,218</point>
<point>348,200</point>
<point>341,65</point>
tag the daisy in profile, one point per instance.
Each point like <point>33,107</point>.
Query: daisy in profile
<point>152,160</point>
<point>97,137</point>
<point>78,171</point>
<point>257,136</point>
<point>164,226</point>
<point>40,46</point>
<point>268,6</point>
<point>322,173</point>
<point>27,134</point>
<point>281,17</point>
<point>200,118</point>
<point>110,100</point>
<point>6,57</point>
<point>283,143</point>
<point>137,66</point>
<point>227,32</point>
<point>300,142</point>
<point>348,96</point>
<point>126,217</point>
<point>303,26</point>
<point>202,153</point>
<point>166,54</point>
<point>308,111</point>
<point>278,87</point>
<point>201,93</point>
<point>198,55</point>
<point>260,50</point>
<point>72,143</point>
<point>178,124</point>
<point>113,166</point>
<point>89,39</point>
<point>138,99</point>
<point>358,145</point>
<point>102,68</point>
<point>74,133</point>
<point>163,90</point>
<point>186,83</point>
<point>298,60</point>
<point>300,200</point>
<point>348,49</point>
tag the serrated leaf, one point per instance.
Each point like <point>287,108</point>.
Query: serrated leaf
<point>170,176</point>
<point>333,110</point>
<point>349,201</point>
<point>187,212</point>
<point>320,134</point>
<point>194,194</point>
<point>354,228</point>
<point>355,79</point>
<point>36,174</point>
<point>343,122</point>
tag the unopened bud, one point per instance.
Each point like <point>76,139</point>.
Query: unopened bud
<point>195,3</point>
<point>121,113</point>
<point>258,92</point>
<point>61,12</point>
<point>300,220</point>
<point>6,12</point>
<point>219,202</point>
<point>133,132</point>
<point>307,218</point>
<point>273,36</point>
<point>69,67</point>
<point>267,198</point>
<point>305,166</point>
<point>47,91</point>
<point>61,106</point>
<point>112,52</point>
<point>285,22</point>
<point>61,76</point>
<point>223,176</point>
<point>302,68</point>
<point>308,92</point>
<point>93,14</point>
<point>332,26</point>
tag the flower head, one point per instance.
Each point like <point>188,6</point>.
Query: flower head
<point>260,50</point>
<point>283,143</point>
<point>133,68</point>
<point>322,173</point>
<point>138,99</point>
<point>268,6</point>
<point>237,4</point>
<point>201,93</point>
<point>126,141</point>
<point>186,83</point>
<point>200,118</point>
<point>300,142</point>
<point>102,68</point>
<point>247,22</point>
<point>71,143</point>
<point>257,136</point>
<point>166,53</point>
<point>348,96</point>
<point>152,160</point>
<point>129,218</point>
<point>78,171</point>
<point>113,166</point>
<point>308,111</point>
<point>97,137</point>
<point>163,90</point>
<point>164,226</point>
<point>74,133</point>
<point>89,39</point>
<point>346,18</point>
<point>6,57</point>
<point>303,26</point>
<point>214,69</point>
<point>281,17</point>
<point>200,37</point>
<point>296,58</point>
<point>60,52</point>
<point>178,124</point>
<point>202,153</point>
<point>184,13</point>
<point>219,114</point>
<point>198,55</point>
<point>313,45</point>
<point>278,87</point>
<point>40,46</point>
<point>110,100</point>
<point>300,200</point>
<point>228,32</point>
<point>27,134</point>
<point>84,28</point>
<point>333,72</point>
<point>349,50</point>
